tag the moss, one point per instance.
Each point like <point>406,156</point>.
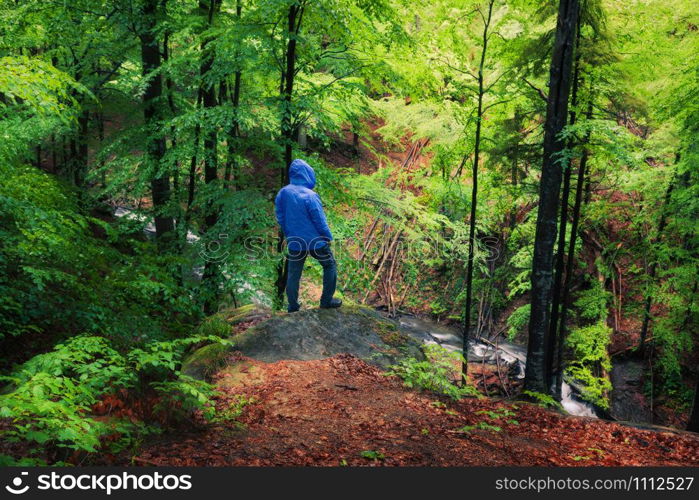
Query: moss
<point>390,334</point>
<point>215,325</point>
<point>206,361</point>
<point>240,314</point>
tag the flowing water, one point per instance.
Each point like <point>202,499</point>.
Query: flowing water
<point>511,355</point>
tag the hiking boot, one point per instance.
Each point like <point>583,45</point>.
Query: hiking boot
<point>332,305</point>
<point>294,309</point>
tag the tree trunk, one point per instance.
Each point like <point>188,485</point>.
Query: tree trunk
<point>549,192</point>
<point>211,267</point>
<point>560,252</point>
<point>230,175</point>
<point>173,112</point>
<point>295,18</point>
<point>693,424</point>
<point>193,161</point>
<point>160,182</point>
<point>80,171</point>
<point>570,262</point>
<point>474,194</point>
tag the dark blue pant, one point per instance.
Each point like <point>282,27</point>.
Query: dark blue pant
<point>295,261</point>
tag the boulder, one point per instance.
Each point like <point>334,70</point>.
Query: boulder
<point>309,334</point>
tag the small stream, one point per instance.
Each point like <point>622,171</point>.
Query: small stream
<point>508,354</point>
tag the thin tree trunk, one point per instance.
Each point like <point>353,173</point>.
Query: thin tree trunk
<point>100,137</point>
<point>80,163</point>
<point>295,18</point>
<point>693,424</point>
<point>173,111</point>
<point>231,173</point>
<point>474,195</point>
<point>211,268</point>
<point>193,161</point>
<point>570,262</point>
<point>560,252</point>
<point>549,193</point>
<point>160,182</point>
<point>54,165</point>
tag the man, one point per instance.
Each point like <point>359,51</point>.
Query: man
<point>301,217</point>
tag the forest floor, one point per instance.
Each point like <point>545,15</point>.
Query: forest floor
<point>342,411</point>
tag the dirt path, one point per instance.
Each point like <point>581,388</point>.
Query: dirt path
<point>341,411</point>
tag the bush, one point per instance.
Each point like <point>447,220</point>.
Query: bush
<point>437,373</point>
<point>591,361</point>
<point>53,397</point>
<point>56,276</point>
<point>518,321</point>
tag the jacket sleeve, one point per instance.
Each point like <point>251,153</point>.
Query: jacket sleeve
<point>317,215</point>
<point>279,211</point>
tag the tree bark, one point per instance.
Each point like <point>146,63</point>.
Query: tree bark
<point>80,165</point>
<point>549,192</point>
<point>474,193</point>
<point>294,20</point>
<point>693,424</point>
<point>210,137</point>
<point>230,174</point>
<point>570,262</point>
<point>160,182</point>
<point>560,252</point>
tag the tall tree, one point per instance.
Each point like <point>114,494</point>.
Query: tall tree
<point>693,424</point>
<point>288,77</point>
<point>560,333</point>
<point>210,140</point>
<point>560,252</point>
<point>152,113</point>
<point>230,172</point>
<point>549,194</point>
<point>487,19</point>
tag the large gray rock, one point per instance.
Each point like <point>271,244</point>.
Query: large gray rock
<point>312,334</point>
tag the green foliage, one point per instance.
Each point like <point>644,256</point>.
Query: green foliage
<point>482,426</point>
<point>372,455</point>
<point>57,276</point>
<point>230,414</point>
<point>592,303</point>
<point>38,100</point>
<point>591,361</point>
<point>51,396</point>
<point>435,374</point>
<point>517,321</point>
<point>545,400</point>
<point>72,85</point>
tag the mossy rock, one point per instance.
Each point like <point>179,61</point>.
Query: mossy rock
<point>222,323</point>
<point>205,361</point>
<point>313,334</point>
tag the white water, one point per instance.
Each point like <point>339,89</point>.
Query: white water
<point>149,228</point>
<point>198,271</point>
<point>431,332</point>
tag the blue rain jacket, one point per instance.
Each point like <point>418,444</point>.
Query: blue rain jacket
<point>300,212</point>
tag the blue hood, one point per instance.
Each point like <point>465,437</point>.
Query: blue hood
<point>300,212</point>
<point>301,174</point>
